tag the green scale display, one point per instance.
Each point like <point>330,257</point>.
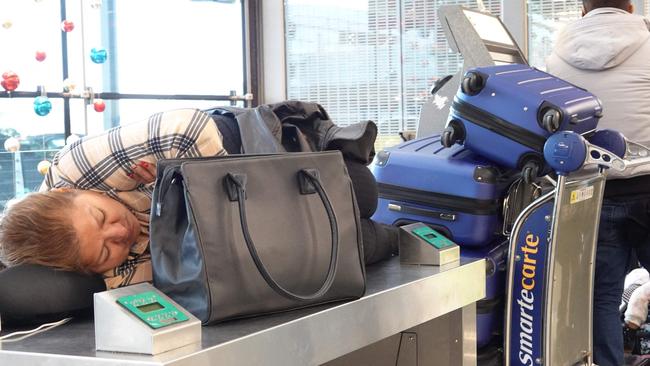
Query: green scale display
<point>152,309</point>
<point>420,244</point>
<point>432,237</point>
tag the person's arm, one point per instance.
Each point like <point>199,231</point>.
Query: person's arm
<point>123,158</point>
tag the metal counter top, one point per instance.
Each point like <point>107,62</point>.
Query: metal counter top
<point>398,297</point>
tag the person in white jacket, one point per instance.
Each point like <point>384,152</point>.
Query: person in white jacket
<point>607,52</point>
<point>636,311</point>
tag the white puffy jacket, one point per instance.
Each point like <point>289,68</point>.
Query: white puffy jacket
<point>608,53</point>
<point>637,307</point>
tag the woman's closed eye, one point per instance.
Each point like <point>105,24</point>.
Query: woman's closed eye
<point>102,216</point>
<point>103,256</point>
<point>99,216</point>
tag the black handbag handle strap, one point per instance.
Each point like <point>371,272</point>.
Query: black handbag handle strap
<point>163,184</point>
<point>238,182</point>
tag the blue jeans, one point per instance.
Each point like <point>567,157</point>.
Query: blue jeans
<point>623,238</point>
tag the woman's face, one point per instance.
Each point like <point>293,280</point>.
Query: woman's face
<point>106,229</point>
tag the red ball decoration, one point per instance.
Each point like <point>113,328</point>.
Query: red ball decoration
<point>99,105</point>
<point>67,26</point>
<point>10,81</point>
<point>40,56</point>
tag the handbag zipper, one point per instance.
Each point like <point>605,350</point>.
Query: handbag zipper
<point>439,200</point>
<point>499,125</point>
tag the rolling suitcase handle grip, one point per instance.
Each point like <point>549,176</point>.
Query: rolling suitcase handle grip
<point>440,83</point>
<point>445,216</point>
<point>236,183</point>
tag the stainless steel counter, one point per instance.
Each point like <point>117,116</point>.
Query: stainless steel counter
<point>398,297</point>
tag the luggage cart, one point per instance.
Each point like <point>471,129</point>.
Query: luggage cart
<point>552,252</point>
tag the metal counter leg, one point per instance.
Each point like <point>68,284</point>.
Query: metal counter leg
<point>462,336</point>
<point>449,340</point>
<point>468,339</point>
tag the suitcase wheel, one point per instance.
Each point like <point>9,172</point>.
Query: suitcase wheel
<point>530,171</point>
<point>453,133</point>
<point>472,83</point>
<point>446,139</point>
<point>551,119</point>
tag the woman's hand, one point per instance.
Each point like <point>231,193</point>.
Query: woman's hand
<point>143,172</point>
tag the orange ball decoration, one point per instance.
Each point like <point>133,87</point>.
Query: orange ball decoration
<point>10,81</point>
<point>99,105</point>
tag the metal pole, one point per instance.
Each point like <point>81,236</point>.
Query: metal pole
<point>19,181</point>
<point>64,54</point>
<point>83,65</point>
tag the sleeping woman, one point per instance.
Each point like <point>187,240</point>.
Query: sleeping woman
<point>91,213</point>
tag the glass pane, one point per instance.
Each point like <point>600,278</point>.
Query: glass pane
<point>165,46</point>
<point>153,48</point>
<point>39,139</point>
<point>426,53</point>
<point>28,27</point>
<point>545,18</point>
<point>345,56</point>
<point>132,110</point>
<point>369,59</point>
<point>639,6</point>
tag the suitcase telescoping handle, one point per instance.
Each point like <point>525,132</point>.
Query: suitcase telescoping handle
<point>309,182</point>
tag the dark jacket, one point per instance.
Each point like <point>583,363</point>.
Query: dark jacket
<point>293,126</point>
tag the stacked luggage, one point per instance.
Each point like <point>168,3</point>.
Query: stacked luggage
<point>460,195</point>
<point>457,182</point>
<point>453,190</point>
<point>506,113</point>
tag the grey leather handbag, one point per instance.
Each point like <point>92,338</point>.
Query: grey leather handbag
<point>239,235</point>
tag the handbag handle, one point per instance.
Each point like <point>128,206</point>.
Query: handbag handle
<point>168,178</point>
<point>236,183</point>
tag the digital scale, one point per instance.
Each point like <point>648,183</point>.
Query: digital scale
<point>420,244</point>
<point>141,319</point>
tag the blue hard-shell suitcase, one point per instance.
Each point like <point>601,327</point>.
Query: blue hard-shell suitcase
<point>490,309</point>
<point>491,354</point>
<point>507,112</point>
<point>452,190</point>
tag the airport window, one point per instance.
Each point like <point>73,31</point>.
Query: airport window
<point>641,7</point>
<point>369,60</point>
<point>159,55</point>
<point>545,18</point>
